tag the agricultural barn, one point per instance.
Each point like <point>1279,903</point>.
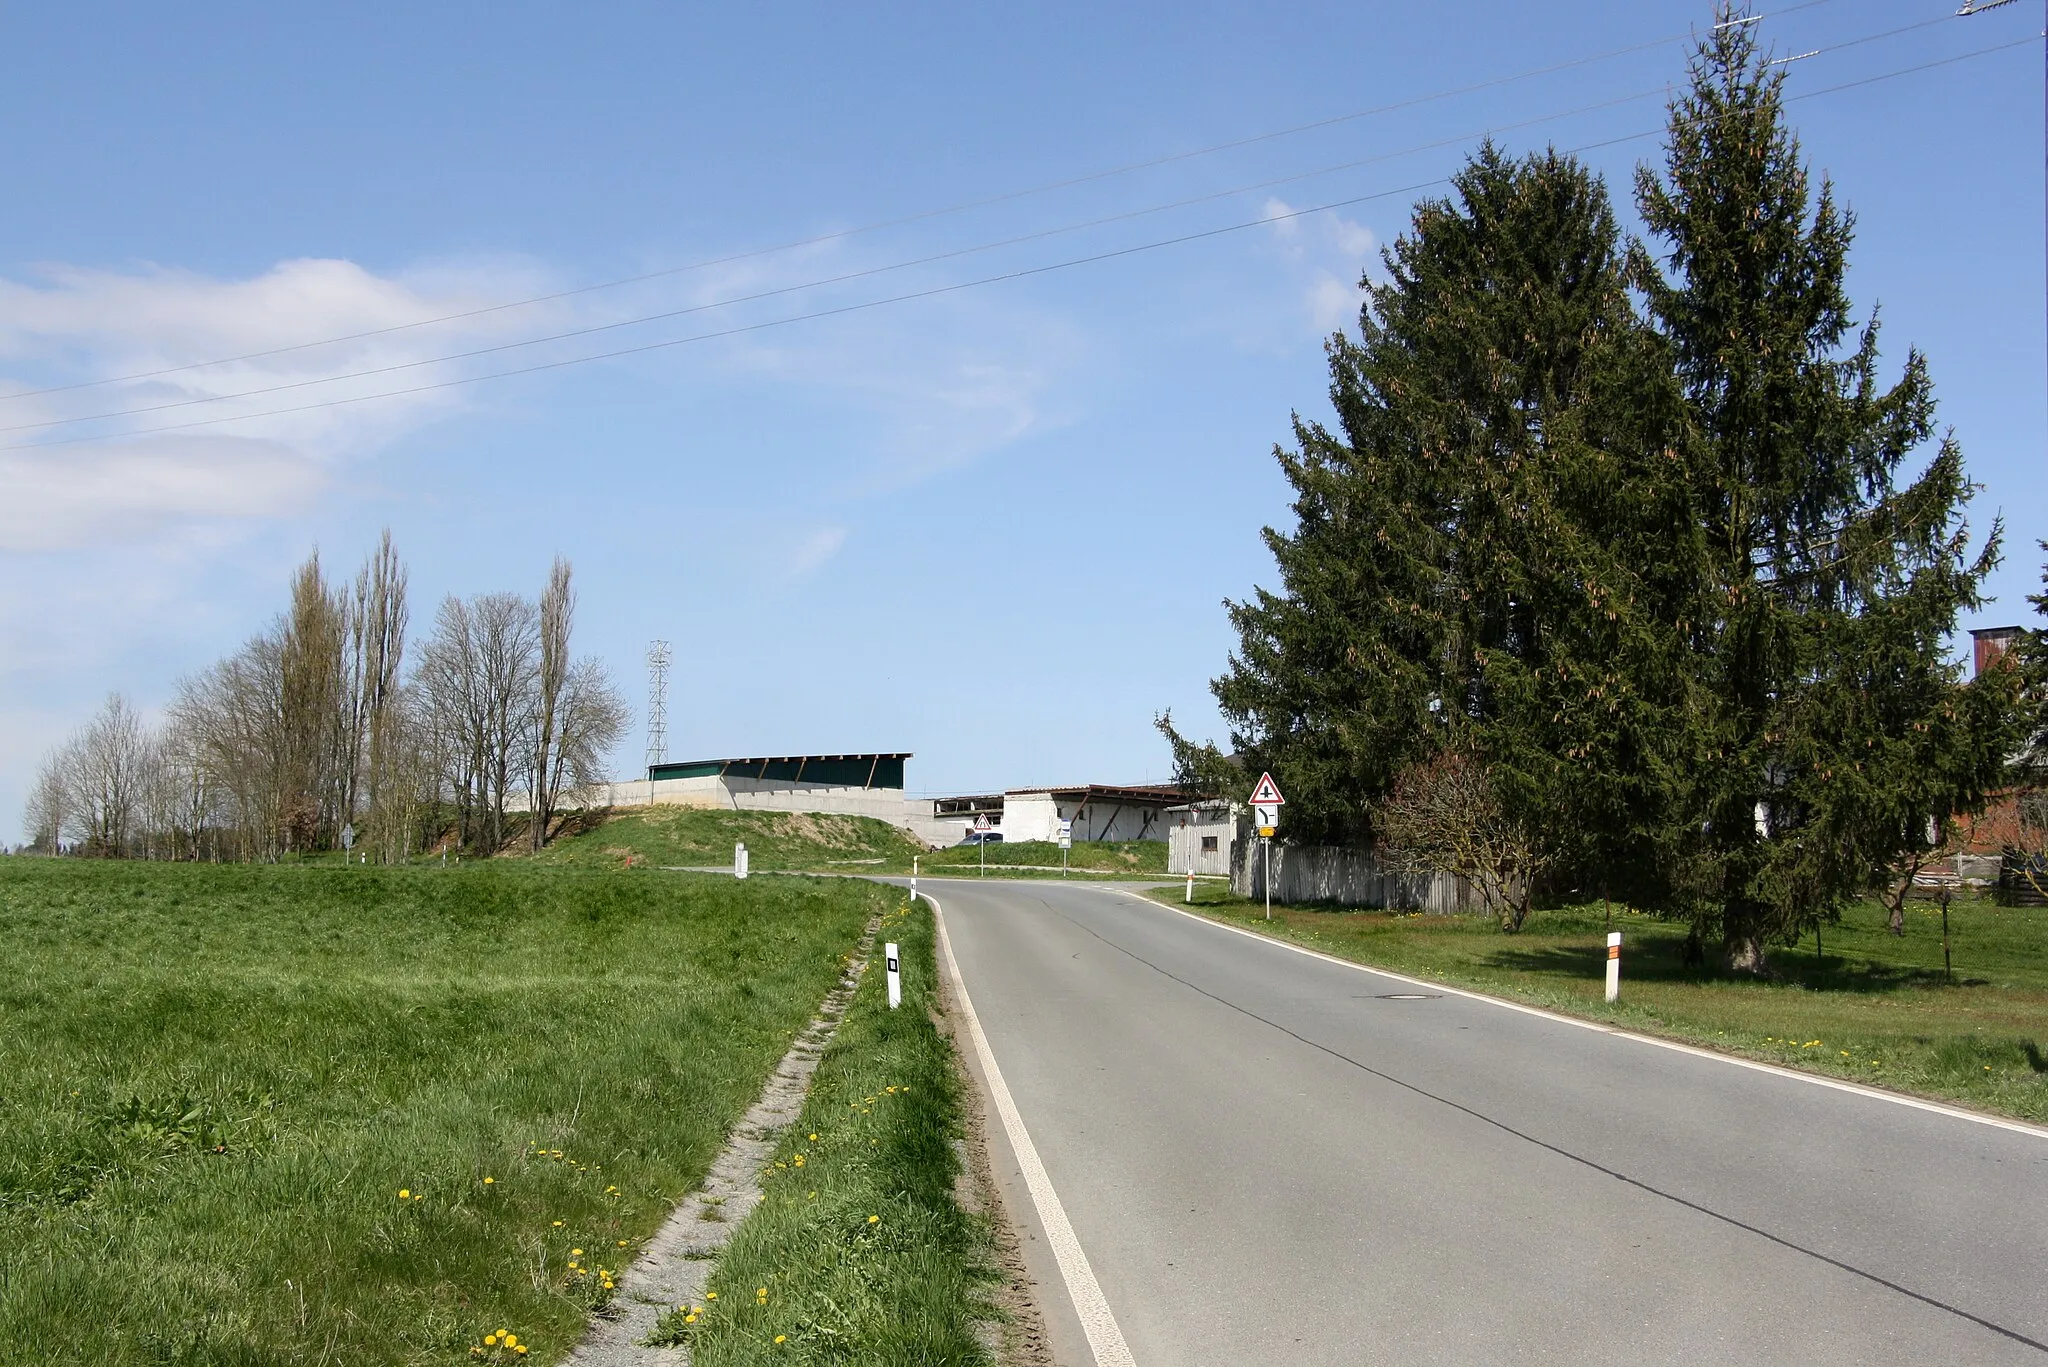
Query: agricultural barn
<point>1098,811</point>
<point>851,785</point>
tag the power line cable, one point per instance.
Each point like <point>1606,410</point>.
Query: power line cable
<point>862,274</point>
<point>921,216</point>
<point>666,315</point>
<point>958,286</point>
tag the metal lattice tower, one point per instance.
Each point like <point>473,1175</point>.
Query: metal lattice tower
<point>657,702</point>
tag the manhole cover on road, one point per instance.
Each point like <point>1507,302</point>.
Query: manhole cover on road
<point>1409,996</point>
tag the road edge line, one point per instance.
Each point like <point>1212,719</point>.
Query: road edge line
<point>1105,1338</point>
<point>1679,1046</point>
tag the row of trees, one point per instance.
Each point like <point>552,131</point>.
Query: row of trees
<point>1623,550</point>
<point>315,728</point>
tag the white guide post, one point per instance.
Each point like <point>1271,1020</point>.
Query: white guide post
<point>913,878</point>
<point>895,975</point>
<point>1613,964</point>
<point>1191,886</point>
<point>739,859</point>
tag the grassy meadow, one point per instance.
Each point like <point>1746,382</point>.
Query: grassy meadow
<point>1871,1007</point>
<point>703,837</point>
<point>358,1115</point>
<point>860,1252</point>
<point>1145,858</point>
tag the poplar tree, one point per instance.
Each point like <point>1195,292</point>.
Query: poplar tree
<point>1487,550</point>
<point>1831,722</point>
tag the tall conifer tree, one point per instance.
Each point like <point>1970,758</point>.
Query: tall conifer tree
<point>1831,723</point>
<point>1486,556</point>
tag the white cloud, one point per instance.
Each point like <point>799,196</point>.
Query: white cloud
<point>813,551</point>
<point>1327,252</point>
<point>133,489</point>
<point>94,365</point>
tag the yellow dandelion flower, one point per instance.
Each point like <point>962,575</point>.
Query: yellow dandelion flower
<point>760,1290</point>
<point>689,1319</point>
<point>874,1219</point>
<point>511,1340</point>
<point>782,1338</point>
<point>814,1139</point>
<point>812,1197</point>
<point>558,1224</point>
<point>490,1339</point>
<point>575,1252</point>
<point>710,1295</point>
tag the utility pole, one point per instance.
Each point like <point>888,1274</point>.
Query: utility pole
<point>657,704</point>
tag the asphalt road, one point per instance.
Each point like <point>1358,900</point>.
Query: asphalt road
<point>1270,1158</point>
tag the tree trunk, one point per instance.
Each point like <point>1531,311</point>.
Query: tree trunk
<point>1745,953</point>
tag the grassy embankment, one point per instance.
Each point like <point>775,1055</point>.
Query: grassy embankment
<point>1094,858</point>
<point>330,1115</point>
<point>1875,1009</point>
<point>859,1253</point>
<point>703,837</point>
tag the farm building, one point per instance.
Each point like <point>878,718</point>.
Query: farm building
<point>851,785</point>
<point>1098,811</point>
<point>1200,835</point>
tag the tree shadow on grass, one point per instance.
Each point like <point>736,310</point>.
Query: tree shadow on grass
<point>1662,961</point>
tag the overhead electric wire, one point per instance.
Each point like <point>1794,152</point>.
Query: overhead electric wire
<point>920,216</point>
<point>665,315</point>
<point>862,274</point>
<point>958,286</point>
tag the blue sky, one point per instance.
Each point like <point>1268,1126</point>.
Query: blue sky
<point>993,526</point>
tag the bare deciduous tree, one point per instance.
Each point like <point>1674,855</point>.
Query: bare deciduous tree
<point>1445,816</point>
<point>377,643</point>
<point>103,771</point>
<point>49,805</point>
<point>551,679</point>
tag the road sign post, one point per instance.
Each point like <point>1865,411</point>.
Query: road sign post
<point>1066,844</point>
<point>981,829</point>
<point>1266,804</point>
<point>895,976</point>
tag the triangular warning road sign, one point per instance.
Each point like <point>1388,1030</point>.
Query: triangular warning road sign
<point>1267,794</point>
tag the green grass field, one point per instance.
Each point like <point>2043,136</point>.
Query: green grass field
<point>859,1253</point>
<point>1133,857</point>
<point>333,1115</point>
<point>701,837</point>
<point>1875,1008</point>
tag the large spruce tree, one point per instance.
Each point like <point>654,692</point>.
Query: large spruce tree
<point>1831,721</point>
<point>1487,553</point>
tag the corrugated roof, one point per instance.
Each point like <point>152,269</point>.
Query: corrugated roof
<point>1088,791</point>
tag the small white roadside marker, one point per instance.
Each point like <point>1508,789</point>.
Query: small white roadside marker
<point>895,976</point>
<point>1613,964</point>
<point>1191,887</point>
<point>739,860</point>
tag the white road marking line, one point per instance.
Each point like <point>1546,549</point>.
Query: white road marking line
<point>1954,1112</point>
<point>1105,1339</point>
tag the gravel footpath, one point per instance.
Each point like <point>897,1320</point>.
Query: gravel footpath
<point>673,1267</point>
